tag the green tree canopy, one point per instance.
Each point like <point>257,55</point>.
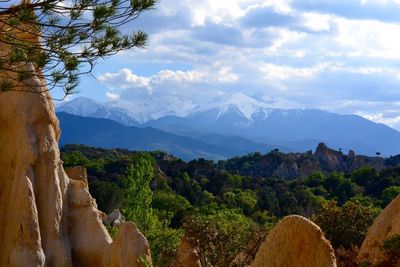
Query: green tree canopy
<point>348,225</point>
<point>137,193</point>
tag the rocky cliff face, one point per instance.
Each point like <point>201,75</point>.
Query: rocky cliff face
<point>294,242</point>
<point>330,160</point>
<point>48,219</point>
<point>294,165</point>
<point>386,225</point>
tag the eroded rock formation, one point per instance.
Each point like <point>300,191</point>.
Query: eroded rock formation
<point>295,165</point>
<point>78,173</point>
<point>187,256</point>
<point>386,225</point>
<point>47,218</point>
<point>294,242</point>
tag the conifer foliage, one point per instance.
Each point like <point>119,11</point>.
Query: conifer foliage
<point>64,39</point>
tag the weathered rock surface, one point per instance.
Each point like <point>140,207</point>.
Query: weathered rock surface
<point>78,173</point>
<point>187,256</point>
<point>386,225</point>
<point>294,242</point>
<point>50,219</point>
<point>114,218</point>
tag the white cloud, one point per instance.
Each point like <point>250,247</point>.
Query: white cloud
<point>380,117</point>
<point>281,73</point>
<point>280,6</point>
<point>126,79</point>
<point>368,38</point>
<point>225,75</point>
<point>323,56</point>
<point>317,22</point>
<point>179,76</point>
<point>113,96</point>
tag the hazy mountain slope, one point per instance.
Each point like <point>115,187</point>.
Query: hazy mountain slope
<point>109,134</point>
<point>301,129</point>
<point>239,143</point>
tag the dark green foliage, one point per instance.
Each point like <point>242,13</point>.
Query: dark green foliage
<point>137,192</point>
<point>168,192</point>
<point>346,226</point>
<point>348,257</point>
<point>137,207</point>
<point>219,237</point>
<point>171,206</point>
<point>391,248</point>
<point>390,193</point>
<point>392,245</point>
<point>109,196</point>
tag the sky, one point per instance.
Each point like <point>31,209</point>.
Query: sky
<point>337,55</point>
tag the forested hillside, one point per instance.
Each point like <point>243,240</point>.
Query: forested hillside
<point>225,197</point>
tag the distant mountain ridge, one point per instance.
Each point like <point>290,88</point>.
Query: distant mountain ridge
<point>298,130</point>
<point>253,120</point>
<point>107,133</point>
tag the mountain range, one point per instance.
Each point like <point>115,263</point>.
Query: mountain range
<point>241,123</point>
<point>107,133</point>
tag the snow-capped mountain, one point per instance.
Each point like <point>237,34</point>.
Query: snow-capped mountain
<point>250,117</point>
<point>150,107</point>
<point>244,104</point>
<point>87,107</point>
<point>299,130</point>
<point>250,107</point>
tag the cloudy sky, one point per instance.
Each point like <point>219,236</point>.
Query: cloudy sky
<point>337,55</point>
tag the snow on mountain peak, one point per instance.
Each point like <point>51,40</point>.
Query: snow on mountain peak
<point>152,107</point>
<point>80,106</point>
<point>239,101</point>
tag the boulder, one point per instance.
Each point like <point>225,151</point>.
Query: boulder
<point>294,242</point>
<point>386,225</point>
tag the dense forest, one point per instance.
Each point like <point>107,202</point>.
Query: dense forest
<point>225,208</point>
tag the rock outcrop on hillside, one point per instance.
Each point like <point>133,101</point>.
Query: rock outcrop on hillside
<point>295,241</point>
<point>386,225</point>
<point>186,256</point>
<point>294,165</point>
<point>47,218</point>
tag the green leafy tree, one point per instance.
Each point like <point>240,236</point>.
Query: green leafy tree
<point>389,194</point>
<point>109,196</point>
<point>64,39</point>
<point>137,207</point>
<point>219,237</point>
<point>346,226</point>
<point>137,193</point>
<point>170,206</point>
<point>315,179</point>
<point>246,201</point>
